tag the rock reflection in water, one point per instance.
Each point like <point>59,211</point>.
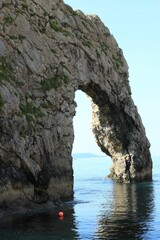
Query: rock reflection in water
<point>41,226</point>
<point>131,213</point>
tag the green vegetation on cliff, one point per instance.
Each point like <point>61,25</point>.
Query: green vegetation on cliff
<point>1,102</point>
<point>54,82</point>
<point>5,69</point>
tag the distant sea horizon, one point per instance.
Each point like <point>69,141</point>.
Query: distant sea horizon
<point>90,155</point>
<point>87,155</point>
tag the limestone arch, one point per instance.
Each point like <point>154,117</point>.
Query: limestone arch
<point>118,136</point>
<point>52,52</point>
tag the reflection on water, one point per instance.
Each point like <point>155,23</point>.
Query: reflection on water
<point>102,209</point>
<point>42,226</point>
<point>131,214</point>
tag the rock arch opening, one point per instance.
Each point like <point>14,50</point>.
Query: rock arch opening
<point>117,134</point>
<point>84,140</point>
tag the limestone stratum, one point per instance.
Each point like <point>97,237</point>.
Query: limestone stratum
<point>48,51</point>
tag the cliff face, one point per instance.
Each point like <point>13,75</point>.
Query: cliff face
<point>47,52</point>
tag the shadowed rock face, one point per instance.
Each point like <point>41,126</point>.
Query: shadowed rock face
<point>48,52</point>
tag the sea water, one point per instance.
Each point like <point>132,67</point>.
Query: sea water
<point>101,209</point>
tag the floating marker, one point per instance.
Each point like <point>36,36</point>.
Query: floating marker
<point>61,214</point>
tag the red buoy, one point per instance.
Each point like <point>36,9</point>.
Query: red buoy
<point>60,214</point>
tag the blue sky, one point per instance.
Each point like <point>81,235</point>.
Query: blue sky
<point>136,26</point>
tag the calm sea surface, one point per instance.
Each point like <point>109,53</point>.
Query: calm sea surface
<point>102,209</point>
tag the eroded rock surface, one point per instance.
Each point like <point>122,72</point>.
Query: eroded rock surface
<point>47,52</point>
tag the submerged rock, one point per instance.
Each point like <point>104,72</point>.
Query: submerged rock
<point>48,52</point>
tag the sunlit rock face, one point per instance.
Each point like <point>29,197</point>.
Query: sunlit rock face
<point>48,52</point>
